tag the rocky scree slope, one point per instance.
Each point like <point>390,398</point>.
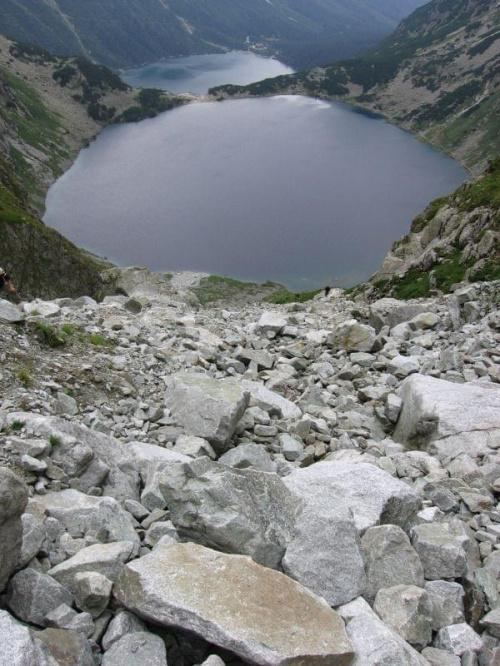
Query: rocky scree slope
<point>121,33</point>
<point>50,107</point>
<point>456,238</point>
<point>437,75</point>
<point>312,484</point>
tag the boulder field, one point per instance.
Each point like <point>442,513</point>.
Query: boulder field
<point>313,484</point>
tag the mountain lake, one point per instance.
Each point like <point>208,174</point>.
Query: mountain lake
<point>290,189</point>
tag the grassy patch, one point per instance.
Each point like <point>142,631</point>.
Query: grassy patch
<point>23,373</point>
<point>484,191</point>
<point>489,271</point>
<point>50,335</point>
<point>284,296</point>
<point>414,284</point>
<point>95,339</point>
<point>450,272</point>
<point>219,288</point>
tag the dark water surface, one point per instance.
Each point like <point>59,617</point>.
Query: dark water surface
<point>198,73</point>
<point>287,188</point>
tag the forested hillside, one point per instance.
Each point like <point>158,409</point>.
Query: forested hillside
<point>125,32</point>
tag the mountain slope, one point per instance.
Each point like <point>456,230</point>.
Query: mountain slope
<point>438,75</point>
<point>125,32</point>
<point>50,107</point>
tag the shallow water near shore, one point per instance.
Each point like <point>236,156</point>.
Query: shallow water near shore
<point>290,189</point>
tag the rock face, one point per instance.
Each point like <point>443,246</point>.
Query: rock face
<point>373,496</point>
<point>353,337</point>
<point>13,500</point>
<point>207,407</point>
<point>375,644</point>
<point>9,313</point>
<point>389,560</point>
<point>199,590</point>
<point>81,514</point>
<point>19,648</point>
<point>451,417</point>
<point>241,511</point>
<point>325,555</point>
<point>137,649</point>
<point>105,559</point>
<point>391,312</point>
<point>32,596</point>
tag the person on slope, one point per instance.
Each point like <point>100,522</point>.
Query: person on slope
<point>5,281</point>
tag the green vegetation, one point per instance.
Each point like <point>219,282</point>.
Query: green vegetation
<point>50,335</point>
<point>489,271</point>
<point>54,440</point>
<point>23,373</point>
<point>35,124</point>
<point>450,271</point>
<point>217,288</point>
<point>151,103</point>
<point>414,284</point>
<point>95,339</point>
<point>16,426</point>
<point>483,191</point>
<point>284,296</point>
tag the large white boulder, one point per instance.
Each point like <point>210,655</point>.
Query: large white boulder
<point>448,418</point>
<point>207,407</point>
<point>373,496</point>
<point>243,511</point>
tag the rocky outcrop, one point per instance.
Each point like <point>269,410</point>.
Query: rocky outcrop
<point>455,239</point>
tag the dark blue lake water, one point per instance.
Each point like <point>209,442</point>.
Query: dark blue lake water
<point>290,189</point>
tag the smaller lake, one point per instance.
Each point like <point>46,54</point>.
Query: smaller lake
<point>199,73</point>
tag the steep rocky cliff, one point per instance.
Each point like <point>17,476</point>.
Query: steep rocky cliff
<point>456,238</point>
<point>437,75</point>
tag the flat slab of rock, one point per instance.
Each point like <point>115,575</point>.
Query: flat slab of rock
<point>391,312</point>
<point>465,416</point>
<point>207,407</point>
<point>259,614</point>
